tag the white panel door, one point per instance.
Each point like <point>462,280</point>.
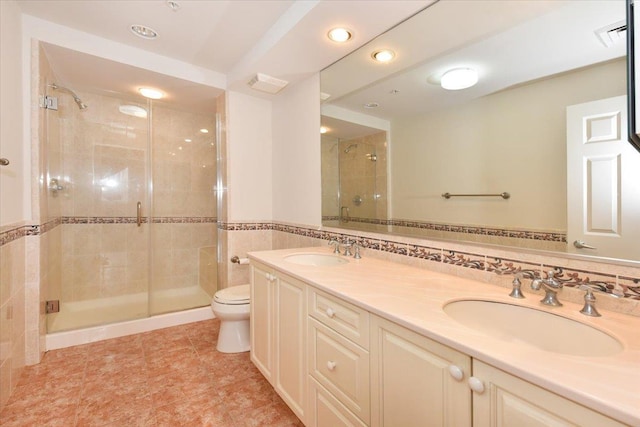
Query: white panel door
<point>603,181</point>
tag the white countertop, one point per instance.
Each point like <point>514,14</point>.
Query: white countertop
<point>414,298</point>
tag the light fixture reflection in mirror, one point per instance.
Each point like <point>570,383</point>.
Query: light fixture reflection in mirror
<point>507,134</point>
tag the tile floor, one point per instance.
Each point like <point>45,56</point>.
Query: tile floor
<point>169,377</point>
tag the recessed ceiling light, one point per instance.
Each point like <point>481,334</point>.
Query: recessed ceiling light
<point>339,35</point>
<point>187,140</point>
<point>151,93</point>
<point>371,105</point>
<point>384,55</point>
<point>323,129</point>
<point>144,32</point>
<point>204,130</point>
<point>459,78</point>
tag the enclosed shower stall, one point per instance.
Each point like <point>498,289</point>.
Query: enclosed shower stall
<point>354,178</point>
<point>131,183</point>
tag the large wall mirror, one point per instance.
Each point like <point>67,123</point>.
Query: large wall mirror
<point>534,154</point>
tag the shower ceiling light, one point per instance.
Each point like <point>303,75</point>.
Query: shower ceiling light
<point>150,93</point>
<point>144,32</point>
<point>459,78</point>
<point>339,35</point>
<point>384,55</point>
<point>133,110</point>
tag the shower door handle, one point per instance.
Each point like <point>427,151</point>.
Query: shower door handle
<point>139,214</point>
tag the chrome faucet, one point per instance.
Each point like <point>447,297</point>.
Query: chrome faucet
<point>336,245</point>
<point>551,287</point>
<point>347,247</point>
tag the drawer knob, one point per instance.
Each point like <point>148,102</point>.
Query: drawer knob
<point>330,312</point>
<point>476,385</point>
<point>331,365</point>
<point>456,372</point>
<point>270,277</point>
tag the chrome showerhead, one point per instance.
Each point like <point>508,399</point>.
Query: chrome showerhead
<point>77,99</point>
<point>346,150</point>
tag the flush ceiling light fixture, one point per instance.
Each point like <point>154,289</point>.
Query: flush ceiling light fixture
<point>339,35</point>
<point>459,78</point>
<point>133,110</point>
<point>151,93</point>
<point>323,129</point>
<point>384,55</point>
<point>144,32</point>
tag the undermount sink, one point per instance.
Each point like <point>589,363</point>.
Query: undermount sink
<point>538,328</point>
<point>319,260</point>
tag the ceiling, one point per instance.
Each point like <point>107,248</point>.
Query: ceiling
<point>285,39</point>
<point>508,43</point>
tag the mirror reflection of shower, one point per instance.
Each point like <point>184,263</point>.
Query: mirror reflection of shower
<point>81,105</point>
<point>348,149</point>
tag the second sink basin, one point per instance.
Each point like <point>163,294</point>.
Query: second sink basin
<point>538,328</point>
<point>315,259</point>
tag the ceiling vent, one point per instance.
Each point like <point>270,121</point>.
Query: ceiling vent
<point>612,34</point>
<point>265,83</point>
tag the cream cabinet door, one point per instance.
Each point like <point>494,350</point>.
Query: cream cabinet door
<point>261,319</point>
<point>508,401</point>
<point>411,384</point>
<point>291,343</point>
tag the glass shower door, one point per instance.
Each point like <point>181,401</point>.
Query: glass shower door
<point>183,213</point>
<point>105,256</point>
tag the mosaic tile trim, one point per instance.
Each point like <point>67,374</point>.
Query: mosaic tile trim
<point>453,228</point>
<point>623,287</point>
<point>9,236</point>
<point>133,220</point>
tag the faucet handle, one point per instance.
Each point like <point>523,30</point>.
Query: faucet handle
<point>347,247</point>
<point>336,245</point>
<point>589,308</point>
<point>356,251</point>
<point>516,292</point>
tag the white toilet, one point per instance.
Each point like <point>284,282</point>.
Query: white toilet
<point>231,306</point>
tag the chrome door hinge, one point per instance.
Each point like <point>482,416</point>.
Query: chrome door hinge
<point>49,102</point>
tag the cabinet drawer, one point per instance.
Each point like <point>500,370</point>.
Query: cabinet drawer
<point>326,411</point>
<point>345,318</point>
<point>341,366</point>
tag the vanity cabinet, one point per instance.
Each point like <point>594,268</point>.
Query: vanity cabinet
<point>338,362</point>
<point>338,365</point>
<point>509,401</point>
<point>416,381</point>
<point>278,334</point>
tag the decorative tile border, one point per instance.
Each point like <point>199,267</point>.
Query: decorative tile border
<point>453,228</point>
<point>623,287</point>
<point>10,235</point>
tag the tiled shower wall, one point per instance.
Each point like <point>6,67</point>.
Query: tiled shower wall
<point>106,170</point>
<point>363,175</point>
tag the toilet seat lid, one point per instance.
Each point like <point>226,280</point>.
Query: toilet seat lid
<point>233,295</point>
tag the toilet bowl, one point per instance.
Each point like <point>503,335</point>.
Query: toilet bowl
<point>231,306</point>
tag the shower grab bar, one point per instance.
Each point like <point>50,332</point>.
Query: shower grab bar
<point>504,195</point>
<point>139,213</point>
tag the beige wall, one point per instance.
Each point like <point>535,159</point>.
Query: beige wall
<point>511,141</point>
<point>296,154</point>
<point>11,107</point>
